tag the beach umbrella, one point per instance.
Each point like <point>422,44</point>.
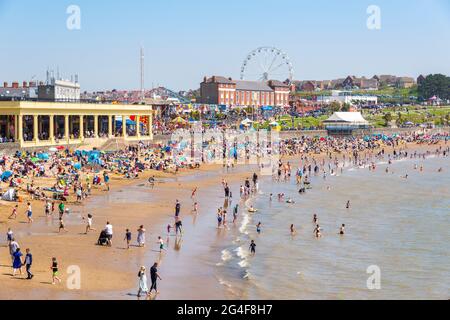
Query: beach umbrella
<point>34,160</point>
<point>60,148</point>
<point>6,175</point>
<point>77,166</point>
<point>52,149</point>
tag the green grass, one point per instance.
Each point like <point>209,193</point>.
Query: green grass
<point>414,114</point>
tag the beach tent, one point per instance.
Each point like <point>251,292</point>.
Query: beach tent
<point>9,195</point>
<point>42,156</point>
<point>6,175</point>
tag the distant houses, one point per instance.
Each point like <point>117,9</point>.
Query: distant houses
<point>352,82</point>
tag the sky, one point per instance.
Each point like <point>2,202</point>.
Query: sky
<point>185,40</point>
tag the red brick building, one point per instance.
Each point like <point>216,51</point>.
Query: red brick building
<point>226,91</point>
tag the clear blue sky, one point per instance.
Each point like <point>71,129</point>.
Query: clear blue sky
<point>186,40</point>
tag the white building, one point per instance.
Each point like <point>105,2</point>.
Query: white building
<point>344,123</point>
<point>60,90</point>
<point>347,97</point>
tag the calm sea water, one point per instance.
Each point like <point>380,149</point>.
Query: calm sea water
<point>400,225</point>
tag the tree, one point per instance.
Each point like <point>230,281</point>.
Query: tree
<point>335,106</point>
<point>387,118</point>
<point>399,119</point>
<point>345,107</point>
<point>435,85</point>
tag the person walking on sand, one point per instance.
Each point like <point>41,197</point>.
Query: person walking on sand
<point>109,232</point>
<point>348,204</point>
<point>161,244</point>
<point>128,237</point>
<point>195,208</point>
<point>143,287</point>
<point>29,213</point>
<point>17,262</point>
<point>48,207</point>
<point>13,246</point>
<point>194,191</point>
<point>9,236</point>
<point>177,208</point>
<point>28,263</point>
<point>253,247</point>
<point>61,208</point>
<point>141,236</point>
<point>54,268</point>
<point>106,179</point>
<point>178,225</point>
<point>154,276</point>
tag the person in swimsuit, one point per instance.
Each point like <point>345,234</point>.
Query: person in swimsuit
<point>161,244</point>
<point>61,226</point>
<point>342,230</point>
<point>14,212</point>
<point>292,229</point>
<point>54,268</point>
<point>89,223</point>
<point>258,227</point>
<point>253,247</point>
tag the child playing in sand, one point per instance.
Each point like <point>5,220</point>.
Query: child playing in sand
<point>161,244</point>
<point>54,268</point>
<point>61,226</point>
<point>14,212</point>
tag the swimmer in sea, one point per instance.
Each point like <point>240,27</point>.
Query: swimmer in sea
<point>292,229</point>
<point>251,209</point>
<point>290,201</point>
<point>317,232</point>
<point>258,227</point>
<point>342,229</point>
<point>348,204</point>
<point>315,219</point>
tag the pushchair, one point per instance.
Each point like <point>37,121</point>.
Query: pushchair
<point>103,239</point>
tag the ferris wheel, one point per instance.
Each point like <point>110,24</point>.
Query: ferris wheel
<point>267,63</point>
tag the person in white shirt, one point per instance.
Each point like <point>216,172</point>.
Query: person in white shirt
<point>109,232</point>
